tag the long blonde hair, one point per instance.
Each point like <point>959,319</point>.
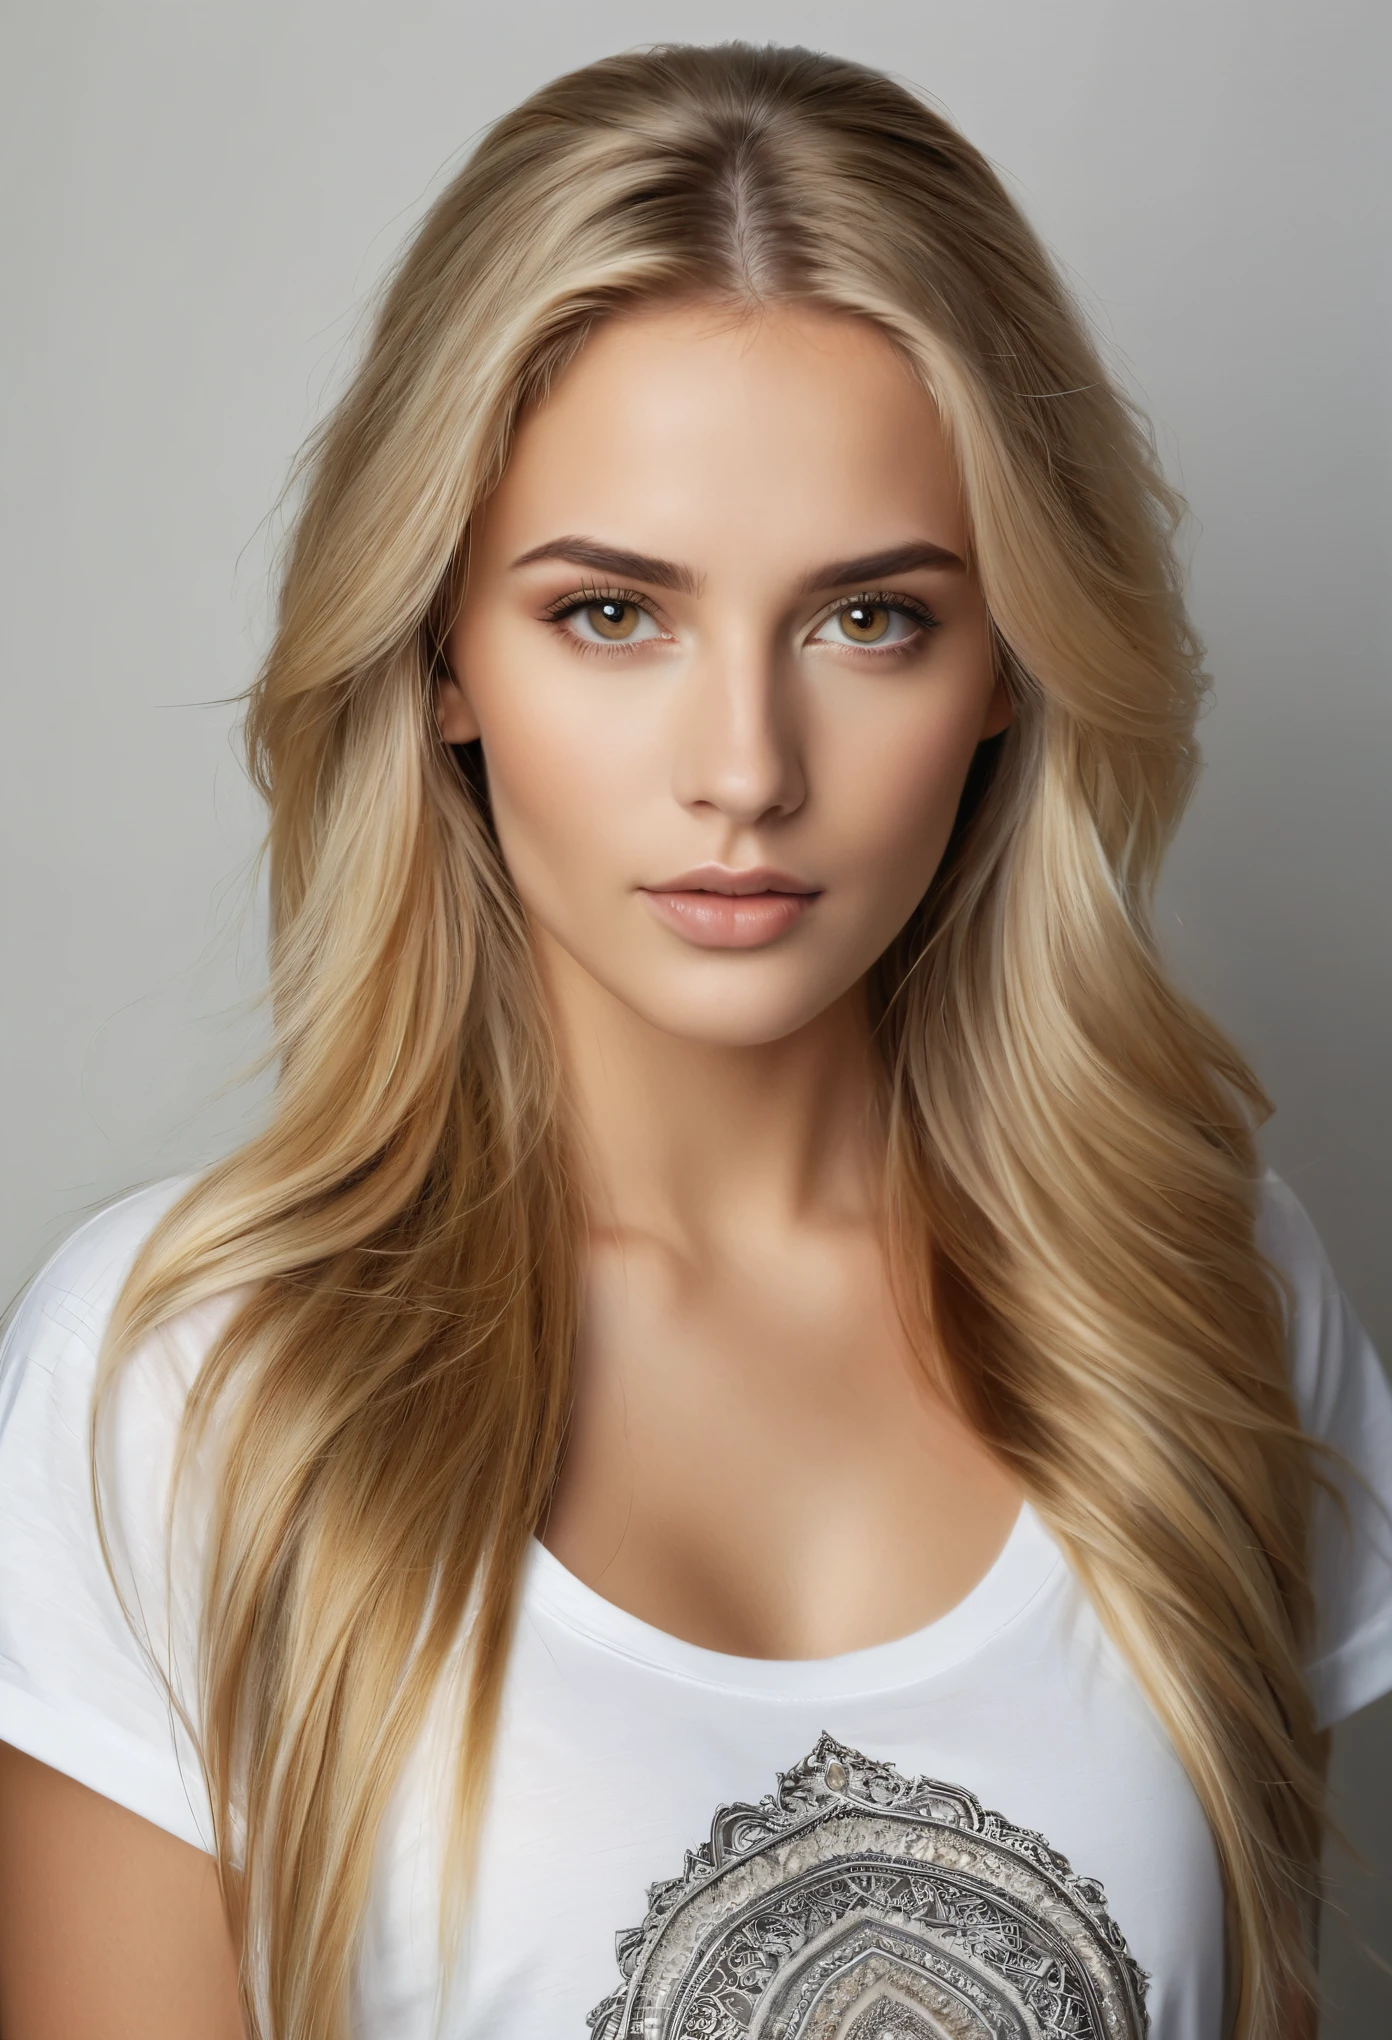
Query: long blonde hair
<point>1070,1165</point>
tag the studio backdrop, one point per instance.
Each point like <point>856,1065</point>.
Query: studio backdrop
<point>198,199</point>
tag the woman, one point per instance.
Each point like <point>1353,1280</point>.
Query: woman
<point>755,1334</point>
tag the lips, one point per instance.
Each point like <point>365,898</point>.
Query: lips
<point>720,878</point>
<point>715,907</point>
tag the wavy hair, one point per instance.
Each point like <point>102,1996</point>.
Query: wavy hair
<point>1070,1163</point>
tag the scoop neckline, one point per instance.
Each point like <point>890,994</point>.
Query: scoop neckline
<point>1016,1576</point>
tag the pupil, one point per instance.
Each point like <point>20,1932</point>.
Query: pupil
<point>613,619</point>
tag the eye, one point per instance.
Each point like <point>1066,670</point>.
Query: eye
<point>609,620</point>
<point>871,623</point>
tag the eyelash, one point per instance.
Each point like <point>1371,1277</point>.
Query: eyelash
<point>897,605</point>
<point>567,606</point>
<point>571,605</point>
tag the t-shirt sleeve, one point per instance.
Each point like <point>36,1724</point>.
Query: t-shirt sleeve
<point>94,1682</point>
<point>1344,1401</point>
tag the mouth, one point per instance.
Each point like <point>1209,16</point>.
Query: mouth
<point>714,907</point>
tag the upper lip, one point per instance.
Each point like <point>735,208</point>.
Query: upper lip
<point>718,878</point>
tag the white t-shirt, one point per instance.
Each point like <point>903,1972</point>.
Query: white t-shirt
<point>977,1830</point>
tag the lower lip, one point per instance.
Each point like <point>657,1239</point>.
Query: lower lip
<point>730,921</point>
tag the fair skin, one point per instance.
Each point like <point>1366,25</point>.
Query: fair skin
<point>110,1929</point>
<point>757,1460</point>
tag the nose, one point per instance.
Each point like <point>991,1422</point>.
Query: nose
<point>738,744</point>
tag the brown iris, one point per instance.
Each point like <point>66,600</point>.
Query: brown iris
<point>612,619</point>
<point>865,624</point>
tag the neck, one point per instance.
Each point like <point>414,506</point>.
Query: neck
<point>702,1141</point>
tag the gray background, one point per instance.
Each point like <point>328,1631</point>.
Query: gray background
<point>197,202</point>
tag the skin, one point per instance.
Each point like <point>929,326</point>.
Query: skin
<point>110,1929</point>
<point>756,1462</point>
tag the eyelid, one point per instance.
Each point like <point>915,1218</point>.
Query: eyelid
<point>882,598</point>
<point>877,598</point>
<point>898,601</point>
<point>557,617</point>
<point>582,598</point>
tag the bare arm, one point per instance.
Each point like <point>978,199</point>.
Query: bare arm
<point>110,1929</point>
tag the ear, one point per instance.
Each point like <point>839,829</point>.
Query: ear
<point>454,717</point>
<point>1000,711</point>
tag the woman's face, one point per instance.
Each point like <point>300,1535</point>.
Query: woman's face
<point>727,663</point>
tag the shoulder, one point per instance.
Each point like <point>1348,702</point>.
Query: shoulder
<point>60,1320</point>
<point>1345,1405</point>
<point>49,1365</point>
<point>1327,1348</point>
<point>82,1280</point>
<point>94,1634</point>
<point>50,1354</point>
<point>52,1346</point>
<point>1287,1237</point>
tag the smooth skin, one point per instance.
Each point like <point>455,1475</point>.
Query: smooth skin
<point>110,1929</point>
<point>757,1462</point>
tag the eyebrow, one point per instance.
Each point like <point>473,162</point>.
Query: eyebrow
<point>612,559</point>
<point>896,559</point>
<point>577,551</point>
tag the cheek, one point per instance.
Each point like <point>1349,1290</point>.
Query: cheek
<point>893,783</point>
<point>568,773</point>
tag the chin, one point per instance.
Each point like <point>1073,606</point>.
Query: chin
<point>725,998</point>
<point>727,1015</point>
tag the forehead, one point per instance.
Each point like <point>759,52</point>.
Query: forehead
<point>771,439</point>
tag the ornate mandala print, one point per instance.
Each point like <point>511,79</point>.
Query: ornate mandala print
<point>858,1904</point>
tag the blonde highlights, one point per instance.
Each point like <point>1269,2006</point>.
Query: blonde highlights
<point>1070,1167</point>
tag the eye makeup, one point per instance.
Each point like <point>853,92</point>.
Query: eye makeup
<point>612,638</point>
<point>890,605</point>
<point>559,614</point>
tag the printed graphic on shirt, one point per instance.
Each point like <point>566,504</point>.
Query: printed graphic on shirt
<point>858,1904</point>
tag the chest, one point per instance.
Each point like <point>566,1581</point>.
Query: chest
<point>764,1464</point>
<point>999,1839</point>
